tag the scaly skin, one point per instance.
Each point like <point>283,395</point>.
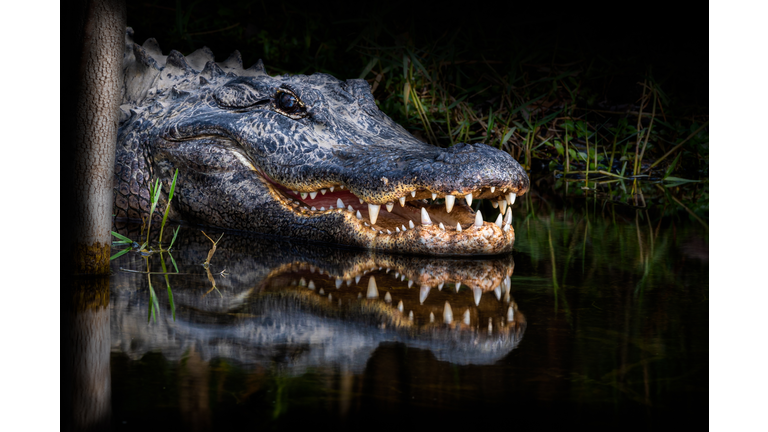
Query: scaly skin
<point>241,153</point>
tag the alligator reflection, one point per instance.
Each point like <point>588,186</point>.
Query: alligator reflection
<point>301,305</point>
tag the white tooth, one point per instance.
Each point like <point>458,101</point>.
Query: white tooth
<point>322,208</point>
<point>431,317</point>
<point>341,187</point>
<point>305,208</point>
<point>458,227</point>
<point>331,188</point>
<point>402,201</point>
<point>506,227</point>
<point>397,275</point>
<point>338,283</point>
<point>302,282</point>
<point>402,278</point>
<point>510,314</point>
<point>466,317</point>
<point>442,227</point>
<point>312,195</point>
<point>425,217</point>
<point>330,297</point>
<point>449,200</point>
<point>390,205</point>
<point>411,225</point>
<point>304,195</point>
<point>458,285</point>
<point>388,269</point>
<point>447,313</point>
<point>508,282</point>
<point>339,203</point>
<point>311,285</point>
<point>503,206</point>
<point>358,215</point>
<point>361,201</point>
<point>323,191</point>
<point>497,291</point>
<point>373,292</point>
<point>413,194</point>
<point>349,282</point>
<point>388,298</point>
<point>490,325</point>
<point>440,286</point>
<point>313,208</point>
<point>330,207</point>
<point>511,198</point>
<point>508,217</point>
<point>374,230</point>
<point>410,283</point>
<point>366,224</point>
<point>321,291</point>
<point>295,192</point>
<point>498,221</point>
<point>373,212</point>
<point>434,196</point>
<point>468,199</point>
<point>495,204</point>
<point>400,306</point>
<point>493,188</point>
<point>397,229</point>
<point>357,279</point>
<point>423,293</point>
<point>349,207</point>
<point>478,293</point>
<point>389,232</point>
<point>478,219</point>
<point>410,315</point>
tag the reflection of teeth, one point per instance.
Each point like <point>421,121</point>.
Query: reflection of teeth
<point>478,219</point>
<point>387,297</point>
<point>323,191</point>
<point>402,201</point>
<point>321,292</point>
<point>498,221</point>
<point>478,294</point>
<point>390,205</point>
<point>410,315</point>
<point>466,317</point>
<point>510,314</point>
<point>423,293</point>
<point>447,313</point>
<point>330,297</point>
<point>449,200</point>
<point>458,227</point>
<point>468,199</point>
<point>311,285</point>
<point>400,306</point>
<point>490,325</point>
<point>312,195</point>
<point>431,317</point>
<point>425,217</point>
<point>373,292</point>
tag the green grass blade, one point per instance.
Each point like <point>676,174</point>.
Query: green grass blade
<point>173,261</point>
<point>119,254</point>
<point>122,237</point>
<point>368,67</point>
<point>168,206</point>
<point>174,237</point>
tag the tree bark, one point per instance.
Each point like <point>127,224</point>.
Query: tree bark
<point>100,43</point>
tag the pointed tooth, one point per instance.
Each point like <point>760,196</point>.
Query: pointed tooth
<point>498,221</point>
<point>495,204</point>
<point>389,232</point>
<point>340,203</point>
<point>390,205</point>
<point>313,208</point>
<point>466,317</point>
<point>497,291</point>
<point>312,195</point>
<point>468,199</point>
<point>413,194</point>
<point>431,317</point>
<point>478,219</point>
<point>304,195</point>
<point>397,275</point>
<point>388,269</point>
<point>357,279</point>
<point>311,285</point>
<point>508,217</point>
<point>358,215</point>
<point>511,198</point>
<point>423,293</point>
<point>373,291</point>
<point>447,313</point>
<point>341,187</point>
<point>402,278</point>
<point>361,201</point>
<point>338,283</point>
<point>503,206</point>
<point>449,200</point>
<point>510,314</point>
<point>397,229</point>
<point>442,227</point>
<point>410,315</point>
<point>388,297</point>
<point>295,192</point>
<point>458,227</point>
<point>373,212</point>
<point>440,286</point>
<point>506,227</point>
<point>410,283</point>
<point>330,297</point>
<point>493,189</point>
<point>411,225</point>
<point>458,285</point>
<point>348,282</point>
<point>402,201</point>
<point>400,306</point>
<point>366,224</point>
<point>478,294</point>
<point>434,196</point>
<point>425,217</point>
<point>331,207</point>
<point>331,188</point>
<point>323,191</point>
<point>322,208</point>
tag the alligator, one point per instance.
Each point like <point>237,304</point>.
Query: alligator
<point>323,305</point>
<point>308,157</point>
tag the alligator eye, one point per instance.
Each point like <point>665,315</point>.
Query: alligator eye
<point>287,102</point>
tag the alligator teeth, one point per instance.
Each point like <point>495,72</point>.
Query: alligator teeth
<point>425,217</point>
<point>411,225</point>
<point>312,195</point>
<point>403,226</point>
<point>458,227</point>
<point>365,223</point>
<point>311,285</point>
<point>358,215</point>
<point>387,297</point>
<point>330,207</point>
<point>410,315</point>
<point>400,306</point>
<point>349,207</point>
<point>497,291</point>
<point>341,187</point>
<point>449,200</point>
<point>498,221</point>
<point>313,208</point>
<point>511,198</point>
<point>321,292</point>
<point>440,286</point>
<point>390,205</point>
<point>506,227</point>
<point>431,317</point>
<point>447,313</point>
<point>389,232</point>
<point>442,227</point>
<point>510,314</point>
<point>357,279</point>
<point>330,297</point>
<point>373,212</point>
<point>490,325</point>
<point>493,188</point>
<point>468,199</point>
<point>466,317</point>
<point>495,204</point>
<point>338,283</point>
<point>323,191</point>
<point>402,201</point>
<point>478,219</point>
<point>295,192</point>
<point>508,217</point>
<point>361,201</point>
<point>410,283</point>
<point>349,282</point>
<point>322,208</point>
<point>304,195</point>
<point>503,206</point>
<point>434,196</point>
<point>413,194</point>
<point>373,291</point>
<point>331,188</point>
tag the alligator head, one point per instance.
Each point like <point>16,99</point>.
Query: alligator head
<point>308,157</point>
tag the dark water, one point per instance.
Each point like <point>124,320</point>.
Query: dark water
<point>599,318</point>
